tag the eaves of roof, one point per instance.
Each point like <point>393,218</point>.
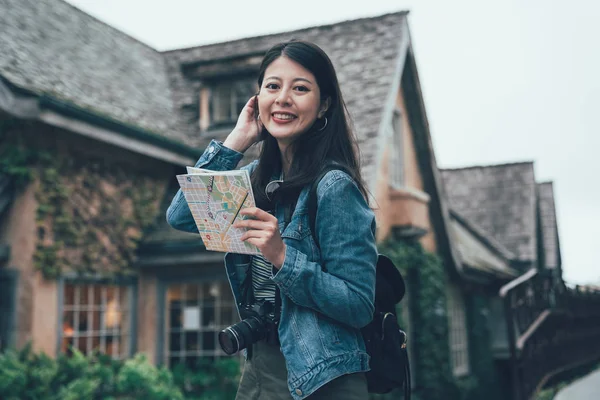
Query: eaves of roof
<point>36,104</point>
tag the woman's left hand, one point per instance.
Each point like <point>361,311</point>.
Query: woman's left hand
<point>263,232</point>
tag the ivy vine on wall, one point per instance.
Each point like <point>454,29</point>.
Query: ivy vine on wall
<point>426,281</point>
<point>484,381</point>
<point>91,213</point>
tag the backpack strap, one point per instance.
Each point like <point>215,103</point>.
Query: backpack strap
<point>390,287</point>
<point>386,272</point>
<point>313,200</point>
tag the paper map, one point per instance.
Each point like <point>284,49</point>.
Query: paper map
<point>215,199</point>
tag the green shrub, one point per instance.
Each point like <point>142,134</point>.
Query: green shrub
<point>209,380</point>
<point>25,375</point>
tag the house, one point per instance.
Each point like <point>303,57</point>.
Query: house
<point>514,219</point>
<point>506,201</point>
<point>102,123</point>
<point>89,137</point>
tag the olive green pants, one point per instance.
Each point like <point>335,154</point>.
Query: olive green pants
<point>265,378</point>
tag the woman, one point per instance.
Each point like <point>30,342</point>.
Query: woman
<point>325,279</point>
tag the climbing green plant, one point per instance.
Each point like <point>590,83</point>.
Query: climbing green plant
<point>15,158</point>
<point>91,214</point>
<point>484,380</point>
<point>100,214</point>
<point>55,227</point>
<point>426,281</point>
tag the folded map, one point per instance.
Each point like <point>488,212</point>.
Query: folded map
<point>215,199</point>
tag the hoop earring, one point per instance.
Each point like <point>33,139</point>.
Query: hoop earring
<point>324,125</point>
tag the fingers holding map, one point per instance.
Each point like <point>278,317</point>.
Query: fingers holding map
<point>215,199</point>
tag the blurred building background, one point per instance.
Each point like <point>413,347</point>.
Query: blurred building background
<point>95,125</point>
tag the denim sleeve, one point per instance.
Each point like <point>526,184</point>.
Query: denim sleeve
<point>342,285</point>
<point>216,157</point>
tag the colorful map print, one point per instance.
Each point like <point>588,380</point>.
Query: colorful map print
<point>215,200</point>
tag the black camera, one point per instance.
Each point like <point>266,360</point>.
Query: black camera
<point>259,321</point>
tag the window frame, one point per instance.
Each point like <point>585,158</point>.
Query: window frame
<point>397,178</point>
<point>210,273</point>
<point>11,278</point>
<point>132,293</point>
<point>458,332</point>
<point>231,82</point>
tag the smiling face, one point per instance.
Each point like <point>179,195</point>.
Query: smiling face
<point>289,101</point>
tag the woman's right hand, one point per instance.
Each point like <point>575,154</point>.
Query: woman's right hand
<point>247,130</point>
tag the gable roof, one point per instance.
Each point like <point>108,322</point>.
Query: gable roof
<point>483,237</point>
<point>548,225</point>
<point>52,48</point>
<point>478,252</point>
<point>367,56</point>
<point>501,199</point>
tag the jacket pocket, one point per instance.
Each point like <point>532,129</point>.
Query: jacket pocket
<point>298,228</point>
<point>297,234</point>
<point>328,330</point>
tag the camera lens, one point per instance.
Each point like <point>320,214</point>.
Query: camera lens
<point>237,337</point>
<point>228,341</point>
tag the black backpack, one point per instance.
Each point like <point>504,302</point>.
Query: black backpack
<point>384,340</point>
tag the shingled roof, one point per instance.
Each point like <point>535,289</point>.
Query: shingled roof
<point>52,48</point>
<point>549,230</point>
<point>365,54</point>
<point>501,200</point>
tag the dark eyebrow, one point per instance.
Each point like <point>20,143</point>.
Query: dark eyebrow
<point>295,80</point>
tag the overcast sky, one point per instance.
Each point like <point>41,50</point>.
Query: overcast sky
<point>503,81</point>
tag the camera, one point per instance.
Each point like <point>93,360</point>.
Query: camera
<point>259,322</point>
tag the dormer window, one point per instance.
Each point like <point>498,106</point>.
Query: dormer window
<point>225,84</point>
<point>226,98</point>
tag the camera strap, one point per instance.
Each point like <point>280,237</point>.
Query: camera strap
<point>287,217</point>
<point>247,288</point>
<point>277,307</point>
<point>247,285</point>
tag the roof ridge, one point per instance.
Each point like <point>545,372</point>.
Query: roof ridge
<point>344,22</point>
<point>125,34</point>
<point>507,164</point>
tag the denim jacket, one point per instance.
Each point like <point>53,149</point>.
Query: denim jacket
<point>327,291</point>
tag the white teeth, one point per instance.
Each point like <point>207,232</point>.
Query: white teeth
<point>283,116</point>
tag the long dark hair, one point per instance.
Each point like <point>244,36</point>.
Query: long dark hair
<point>314,149</point>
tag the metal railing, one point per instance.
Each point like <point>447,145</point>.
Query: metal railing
<point>551,328</point>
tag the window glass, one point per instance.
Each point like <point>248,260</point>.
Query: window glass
<point>227,98</point>
<point>96,318</point>
<point>196,313</point>
<point>459,345</point>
